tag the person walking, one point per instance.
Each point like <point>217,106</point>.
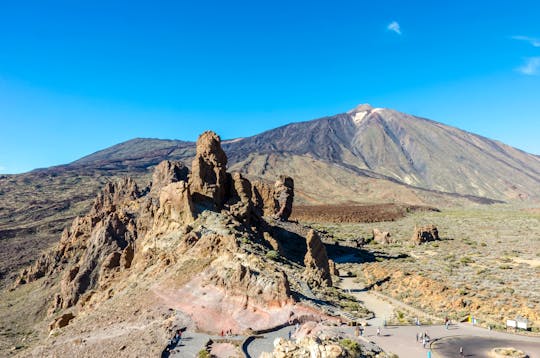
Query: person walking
<point>461,351</point>
<point>378,331</point>
<point>417,336</point>
<point>424,342</point>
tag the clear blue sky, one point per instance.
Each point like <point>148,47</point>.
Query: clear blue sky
<point>79,76</point>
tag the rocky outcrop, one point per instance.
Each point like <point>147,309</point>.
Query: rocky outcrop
<point>175,207</point>
<point>95,257</point>
<point>168,172</point>
<point>114,194</point>
<point>306,347</point>
<point>204,216</point>
<point>333,268</point>
<point>208,180</point>
<point>317,270</point>
<point>381,237</point>
<point>425,234</point>
<point>284,197</point>
<point>239,197</point>
<point>263,198</point>
<point>270,286</point>
<point>61,321</point>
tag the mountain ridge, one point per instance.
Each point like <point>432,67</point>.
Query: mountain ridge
<point>376,143</point>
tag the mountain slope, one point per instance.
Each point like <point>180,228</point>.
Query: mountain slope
<point>383,143</point>
<point>367,155</point>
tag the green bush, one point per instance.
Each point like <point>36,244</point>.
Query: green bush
<point>272,255</point>
<point>350,345</point>
<point>203,354</point>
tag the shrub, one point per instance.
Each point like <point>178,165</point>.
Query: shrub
<point>350,345</point>
<point>272,255</point>
<point>203,353</point>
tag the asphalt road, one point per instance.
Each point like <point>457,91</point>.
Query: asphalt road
<point>481,346</point>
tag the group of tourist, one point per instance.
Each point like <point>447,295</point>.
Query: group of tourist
<point>227,333</point>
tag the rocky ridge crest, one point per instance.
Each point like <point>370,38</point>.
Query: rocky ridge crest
<point>207,215</point>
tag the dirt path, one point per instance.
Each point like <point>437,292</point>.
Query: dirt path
<point>382,310</point>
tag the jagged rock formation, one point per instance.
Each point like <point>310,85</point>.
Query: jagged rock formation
<point>208,180</point>
<point>317,270</point>
<point>128,230</point>
<point>240,197</point>
<point>175,207</point>
<point>425,234</point>
<point>168,172</point>
<point>284,196</point>
<point>381,237</point>
<point>102,235</point>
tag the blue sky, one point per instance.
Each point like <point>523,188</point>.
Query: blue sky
<point>78,76</point>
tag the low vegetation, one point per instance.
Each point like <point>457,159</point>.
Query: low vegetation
<point>485,265</point>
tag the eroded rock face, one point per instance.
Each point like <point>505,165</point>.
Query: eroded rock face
<point>263,199</point>
<point>94,247</point>
<point>175,207</point>
<point>269,287</point>
<point>114,194</point>
<point>425,234</point>
<point>284,197</point>
<point>381,237</point>
<point>208,180</point>
<point>107,247</point>
<point>239,197</point>
<point>317,270</point>
<point>128,230</point>
<point>168,172</point>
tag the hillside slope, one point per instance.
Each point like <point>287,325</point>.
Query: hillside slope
<point>367,155</point>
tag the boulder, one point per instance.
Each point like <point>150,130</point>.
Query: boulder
<point>425,234</point>
<point>62,321</point>
<point>208,180</point>
<point>317,270</point>
<point>381,237</point>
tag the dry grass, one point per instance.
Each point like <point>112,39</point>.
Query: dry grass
<point>486,262</point>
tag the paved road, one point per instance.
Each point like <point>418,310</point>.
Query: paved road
<point>401,340</point>
<point>192,343</point>
<point>266,342</point>
<point>480,347</point>
<point>475,341</point>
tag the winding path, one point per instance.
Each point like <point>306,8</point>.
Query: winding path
<point>445,343</point>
